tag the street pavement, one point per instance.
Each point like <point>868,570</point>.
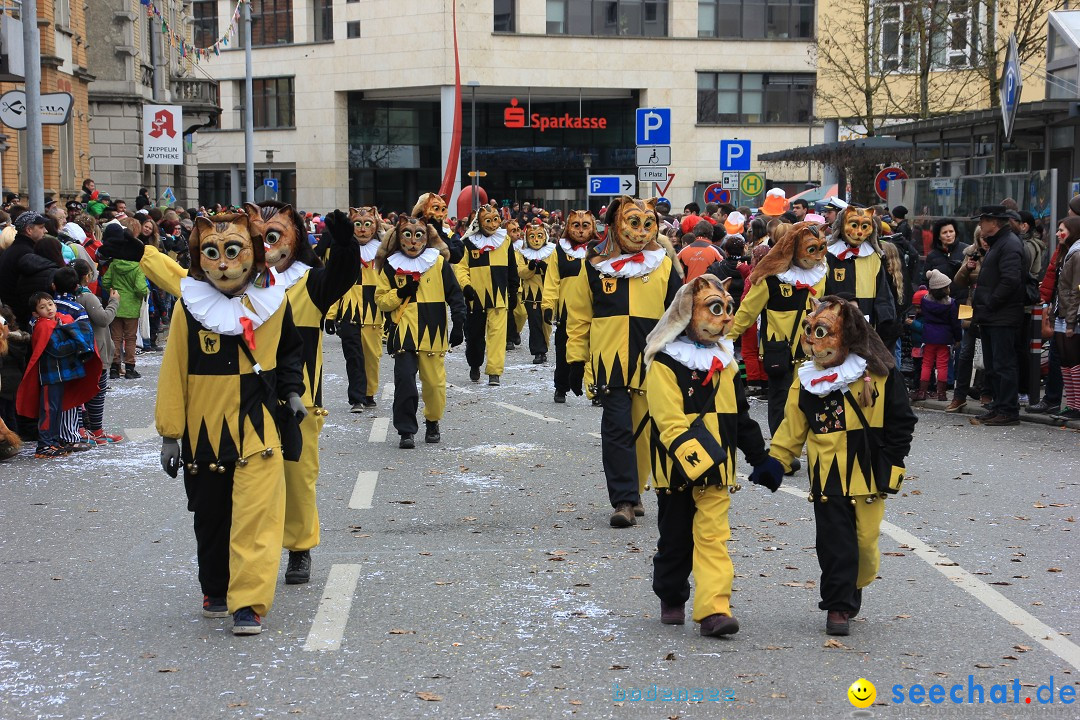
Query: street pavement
<point>478,578</point>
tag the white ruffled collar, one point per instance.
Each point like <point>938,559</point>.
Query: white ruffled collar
<point>368,252</point>
<point>221,313</point>
<point>488,243</point>
<point>290,275</point>
<point>853,368</point>
<point>542,254</point>
<point>686,352</point>
<point>653,258</point>
<point>419,264</point>
<point>838,246</point>
<point>571,251</point>
<point>796,274</point>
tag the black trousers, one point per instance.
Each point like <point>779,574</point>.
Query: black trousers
<point>210,499</point>
<point>778,393</point>
<point>406,396</point>
<point>674,559</point>
<point>964,363</point>
<point>538,339</point>
<point>562,368</point>
<point>999,352</point>
<point>617,448</point>
<point>353,349</point>
<point>476,335</point>
<point>838,555</point>
<point>1022,343</point>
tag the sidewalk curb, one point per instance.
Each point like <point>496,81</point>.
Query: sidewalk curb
<point>973,408</point>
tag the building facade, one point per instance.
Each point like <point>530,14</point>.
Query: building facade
<point>354,102</point>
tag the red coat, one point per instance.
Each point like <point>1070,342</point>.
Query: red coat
<point>76,392</point>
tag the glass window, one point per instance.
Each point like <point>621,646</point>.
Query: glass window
<point>204,26</point>
<point>271,23</point>
<point>504,16</point>
<point>272,100</point>
<point>630,18</point>
<point>324,20</point>
<point>755,98</point>
<point>352,29</point>
<point>752,19</point>
<point>951,26</point>
<point>62,12</point>
<point>556,17</point>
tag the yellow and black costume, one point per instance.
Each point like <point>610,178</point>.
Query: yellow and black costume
<point>486,274</point>
<point>564,267</point>
<point>359,323</point>
<point>532,269</point>
<point>860,272</point>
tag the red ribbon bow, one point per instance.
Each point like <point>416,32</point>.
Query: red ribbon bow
<point>249,332</point>
<point>621,262</point>
<point>824,378</point>
<point>366,263</point>
<point>804,286</point>
<point>578,246</point>
<point>716,366</point>
<point>414,275</point>
<point>843,254</point>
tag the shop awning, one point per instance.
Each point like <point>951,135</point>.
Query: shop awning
<point>817,194</point>
<point>828,152</point>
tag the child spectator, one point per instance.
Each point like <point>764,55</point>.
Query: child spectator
<point>940,330</point>
<point>65,285</point>
<point>55,379</point>
<point>123,252</point>
<point>914,326</point>
<point>100,319</point>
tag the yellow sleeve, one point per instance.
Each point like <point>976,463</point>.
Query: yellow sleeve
<point>162,270</point>
<point>461,271</point>
<point>386,297</point>
<point>750,309</point>
<point>551,284</point>
<point>579,315</point>
<point>524,272</point>
<point>787,443</point>
<point>665,402</point>
<point>170,412</point>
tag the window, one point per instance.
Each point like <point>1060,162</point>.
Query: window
<point>755,98</point>
<point>352,29</point>
<point>66,146</point>
<point>271,23</point>
<point>273,103</point>
<point>949,25</point>
<point>631,18</point>
<point>504,16</point>
<point>204,24</point>
<point>324,20</point>
<point>62,12</point>
<point>754,19</point>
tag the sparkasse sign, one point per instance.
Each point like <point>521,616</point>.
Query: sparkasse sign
<point>163,135</point>
<point>514,117</point>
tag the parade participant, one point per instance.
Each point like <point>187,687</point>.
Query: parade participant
<point>533,258</point>
<point>699,416</point>
<point>415,284</point>
<point>356,319</point>
<point>312,290</point>
<point>486,275</point>
<point>520,317</point>
<point>844,397</point>
<point>611,307</point>
<point>233,355</point>
<point>856,268</point>
<point>432,208</point>
<point>579,231</point>
<point>782,285</point>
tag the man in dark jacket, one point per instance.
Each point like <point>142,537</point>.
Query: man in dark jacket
<point>29,228</point>
<point>998,307</point>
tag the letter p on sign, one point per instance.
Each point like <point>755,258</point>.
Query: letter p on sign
<point>653,126</point>
<point>735,155</point>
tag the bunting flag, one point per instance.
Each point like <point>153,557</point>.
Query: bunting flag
<point>186,49</point>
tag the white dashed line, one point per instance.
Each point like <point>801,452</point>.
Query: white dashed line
<point>328,627</point>
<point>379,428</point>
<point>1012,613</point>
<point>598,436</point>
<point>530,413</point>
<point>364,490</point>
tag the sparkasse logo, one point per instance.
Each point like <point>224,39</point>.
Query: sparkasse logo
<point>514,117</point>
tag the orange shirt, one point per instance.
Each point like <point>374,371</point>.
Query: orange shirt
<point>697,257</point>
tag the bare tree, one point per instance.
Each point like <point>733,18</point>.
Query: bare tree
<point>1027,19</point>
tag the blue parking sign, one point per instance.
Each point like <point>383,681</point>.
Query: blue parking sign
<point>654,126</point>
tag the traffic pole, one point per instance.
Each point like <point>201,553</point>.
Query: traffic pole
<point>1035,359</point>
<point>35,176</point>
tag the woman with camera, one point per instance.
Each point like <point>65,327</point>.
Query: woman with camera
<point>965,277</point>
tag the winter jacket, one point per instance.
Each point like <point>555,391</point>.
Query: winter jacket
<point>1034,251</point>
<point>949,263</point>
<point>100,318</point>
<point>35,275</point>
<point>729,268</point>
<point>128,279</point>
<point>999,297</point>
<point>1049,281</point>
<point>967,278</point>
<point>9,274</point>
<point>941,321</point>
<point>1068,287</point>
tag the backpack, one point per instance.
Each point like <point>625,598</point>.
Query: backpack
<point>1031,281</point>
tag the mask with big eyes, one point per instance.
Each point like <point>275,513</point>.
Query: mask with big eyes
<point>488,220</point>
<point>857,225</point>
<point>279,231</point>
<point>365,222</point>
<point>810,248</point>
<point>580,227</point>
<point>536,236</point>
<point>823,336</point>
<point>513,230</point>
<point>412,233</point>
<point>228,256</point>
<point>435,208</point>
<point>634,224</point>
<point>714,310</point>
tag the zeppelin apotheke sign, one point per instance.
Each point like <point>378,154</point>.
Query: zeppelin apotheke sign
<point>163,136</point>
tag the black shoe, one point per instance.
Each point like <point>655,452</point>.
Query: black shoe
<point>114,372</point>
<point>597,402</point>
<point>837,622</point>
<point>795,465</point>
<point>560,397</point>
<point>510,345</point>
<point>357,408</point>
<point>1042,407</point>
<point>130,373</point>
<point>406,442</point>
<point>538,359</point>
<point>999,420</point>
<point>717,625</point>
<point>493,380</point>
<point>1067,414</point>
<point>543,357</point>
<point>298,571</point>
<point>368,401</point>
<point>431,431</point>
<point>474,374</point>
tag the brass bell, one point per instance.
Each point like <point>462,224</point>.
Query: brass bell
<point>194,467</point>
<point>883,495</point>
<point>221,469</point>
<point>213,467</point>
<point>809,497</point>
<point>824,498</point>
<point>736,488</point>
<point>871,499</point>
<point>268,452</point>
<point>242,462</point>
<point>188,466</point>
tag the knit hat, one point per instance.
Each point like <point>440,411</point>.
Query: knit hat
<point>73,231</point>
<point>814,218</point>
<point>916,299</point>
<point>776,202</point>
<point>27,219</point>
<point>735,223</point>
<point>688,222</point>
<point>937,279</point>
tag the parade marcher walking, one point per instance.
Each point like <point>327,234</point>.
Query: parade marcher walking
<point>534,255</point>
<point>566,265</point>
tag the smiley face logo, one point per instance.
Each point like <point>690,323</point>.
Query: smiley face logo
<point>862,693</point>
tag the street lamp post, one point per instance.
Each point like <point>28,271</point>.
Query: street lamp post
<point>586,160</point>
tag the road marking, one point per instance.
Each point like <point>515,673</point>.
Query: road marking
<point>598,436</point>
<point>1012,613</point>
<point>378,430</point>
<point>140,434</point>
<point>328,627</point>
<point>364,489</point>
<point>530,413</point>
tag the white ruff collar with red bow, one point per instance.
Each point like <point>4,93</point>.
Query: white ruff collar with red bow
<point>822,381</point>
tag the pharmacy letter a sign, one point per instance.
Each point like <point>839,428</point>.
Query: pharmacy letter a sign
<point>163,135</point>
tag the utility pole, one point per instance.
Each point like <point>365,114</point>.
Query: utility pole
<point>35,174</point>
<point>249,111</point>
<point>155,63</point>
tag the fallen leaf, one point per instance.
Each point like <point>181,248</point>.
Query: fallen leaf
<point>582,584</point>
<point>1021,648</point>
<point>404,502</point>
<point>148,655</point>
<point>670,656</point>
<point>1001,582</point>
<point>398,631</point>
<point>525,673</point>
<point>504,707</point>
<point>1038,505</point>
<point>1053,569</point>
<point>575,702</point>
<point>834,643</point>
<point>902,617</point>
<point>619,667</point>
<point>165,670</point>
<point>941,674</point>
<point>779,647</point>
<point>947,564</point>
<point>983,665</point>
<point>242,703</point>
<point>895,554</point>
<point>444,582</point>
<point>1009,657</point>
<point>429,696</point>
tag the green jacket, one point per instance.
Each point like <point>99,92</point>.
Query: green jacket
<point>126,278</point>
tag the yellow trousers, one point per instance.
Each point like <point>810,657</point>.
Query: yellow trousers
<point>713,570</point>
<point>433,384</point>
<point>372,338</point>
<point>639,412</point>
<point>520,317</point>
<point>255,532</point>
<point>301,510</point>
<point>495,340</point>
<point>868,517</point>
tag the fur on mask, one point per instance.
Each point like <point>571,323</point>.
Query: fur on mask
<point>392,243</point>
<point>679,314</point>
<point>782,254</point>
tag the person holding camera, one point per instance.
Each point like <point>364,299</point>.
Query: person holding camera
<point>966,277</point>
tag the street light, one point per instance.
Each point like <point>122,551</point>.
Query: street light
<point>586,160</point>
<point>475,177</point>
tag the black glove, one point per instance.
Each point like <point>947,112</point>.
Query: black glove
<point>330,326</point>
<point>457,335</point>
<point>534,265</point>
<point>170,456</point>
<point>339,225</point>
<point>577,377</point>
<point>409,289</point>
<point>768,474</point>
<point>470,295</point>
<point>549,315</point>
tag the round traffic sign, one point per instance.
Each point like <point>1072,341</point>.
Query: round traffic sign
<point>752,184</point>
<point>881,182</point>
<point>715,193</point>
